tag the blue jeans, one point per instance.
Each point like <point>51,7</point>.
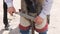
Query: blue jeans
<point>27,32</point>
<point>24,31</point>
<point>43,32</point>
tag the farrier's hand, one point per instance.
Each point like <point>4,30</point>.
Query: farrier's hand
<point>11,10</point>
<point>38,20</point>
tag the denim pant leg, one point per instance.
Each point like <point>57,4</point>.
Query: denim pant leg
<point>24,31</point>
<point>43,32</point>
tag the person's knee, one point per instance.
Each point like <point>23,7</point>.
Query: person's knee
<point>21,27</point>
<point>39,29</point>
<point>24,31</point>
<point>24,24</point>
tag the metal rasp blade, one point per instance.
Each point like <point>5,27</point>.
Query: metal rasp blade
<point>25,15</point>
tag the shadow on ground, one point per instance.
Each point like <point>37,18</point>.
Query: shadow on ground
<point>15,31</point>
<point>1,32</point>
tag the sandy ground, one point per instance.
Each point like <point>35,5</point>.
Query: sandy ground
<point>54,26</point>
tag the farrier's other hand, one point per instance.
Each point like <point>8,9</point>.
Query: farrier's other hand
<point>11,10</point>
<point>38,20</point>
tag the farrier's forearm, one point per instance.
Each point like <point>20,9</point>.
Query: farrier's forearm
<point>46,8</point>
<point>9,3</point>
